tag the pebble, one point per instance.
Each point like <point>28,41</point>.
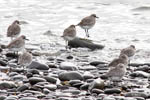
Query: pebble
<point>50,79</point>
<point>112,91</point>
<point>140,74</point>
<point>34,80</point>
<point>51,87</point>
<point>28,98</point>
<point>23,87</point>
<point>7,85</point>
<point>95,63</point>
<point>37,65</point>
<point>71,75</point>
<point>68,66</point>
<point>136,94</point>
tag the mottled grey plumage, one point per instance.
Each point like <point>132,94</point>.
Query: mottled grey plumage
<point>117,73</point>
<point>25,59</point>
<point>122,59</point>
<point>87,23</point>
<point>69,33</point>
<point>14,29</point>
<point>129,51</point>
<point>18,44</point>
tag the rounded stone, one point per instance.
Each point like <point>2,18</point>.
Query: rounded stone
<point>68,66</point>
<point>34,80</point>
<point>37,65</point>
<point>112,91</point>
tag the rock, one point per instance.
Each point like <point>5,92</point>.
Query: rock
<point>69,57</point>
<point>72,75</point>
<point>144,68</point>
<point>142,8</point>
<point>28,98</point>
<point>51,87</point>
<point>88,75</point>
<point>84,86</point>
<point>140,98</point>
<point>112,91</point>
<point>37,65</point>
<point>46,91</point>
<point>88,68</point>
<point>68,66</point>
<point>3,63</point>
<point>23,87</point>
<point>72,82</point>
<point>136,94</point>
<point>73,91</point>
<point>97,84</point>
<point>34,80</point>
<point>2,97</point>
<point>11,55</point>
<point>7,85</point>
<point>140,74</point>
<point>19,77</point>
<point>33,71</point>
<point>95,63</point>
<point>80,42</point>
<point>50,79</point>
<point>97,91</point>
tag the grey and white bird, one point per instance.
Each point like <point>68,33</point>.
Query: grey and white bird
<point>123,59</point>
<point>25,59</point>
<point>87,23</point>
<point>129,51</point>
<point>14,30</point>
<point>69,34</point>
<point>17,44</point>
<point>116,74</point>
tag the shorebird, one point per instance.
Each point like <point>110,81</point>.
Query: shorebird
<point>129,51</point>
<point>25,59</point>
<point>69,34</point>
<point>122,59</point>
<point>87,23</point>
<point>17,44</point>
<point>116,74</point>
<point>14,29</point>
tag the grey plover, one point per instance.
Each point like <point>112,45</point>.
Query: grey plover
<point>87,23</point>
<point>17,44</point>
<point>25,59</point>
<point>14,29</point>
<point>122,59</point>
<point>129,51</point>
<point>116,74</point>
<point>69,34</point>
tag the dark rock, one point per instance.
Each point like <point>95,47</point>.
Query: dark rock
<point>23,87</point>
<point>112,91</point>
<point>7,85</point>
<point>46,91</point>
<point>11,97</point>
<point>142,8</point>
<point>2,97</point>
<point>37,65</point>
<point>77,85</point>
<point>73,91</point>
<point>88,76</point>
<point>18,70</point>
<point>1,50</point>
<point>69,57</point>
<point>33,71</point>
<point>72,75</point>
<point>12,55</point>
<point>29,75</point>
<point>52,65</point>
<point>136,94</point>
<point>34,80</point>
<point>50,79</point>
<point>140,74</point>
<point>80,42</point>
<point>68,66</point>
<point>97,91</point>
<point>18,77</point>
<point>3,63</point>
<point>138,64</point>
<point>72,82</point>
<point>95,63</point>
<point>84,86</point>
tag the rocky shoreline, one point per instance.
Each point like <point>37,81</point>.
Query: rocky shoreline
<point>69,77</point>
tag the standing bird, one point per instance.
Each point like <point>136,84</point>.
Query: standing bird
<point>129,51</point>
<point>69,34</point>
<point>18,44</point>
<point>123,59</point>
<point>14,29</point>
<point>87,23</point>
<point>116,74</point>
<point>25,59</point>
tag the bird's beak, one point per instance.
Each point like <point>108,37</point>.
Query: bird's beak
<point>97,17</point>
<point>27,39</point>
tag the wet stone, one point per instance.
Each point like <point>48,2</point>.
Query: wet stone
<point>11,97</point>
<point>11,55</point>
<point>50,79</point>
<point>84,86</point>
<point>73,91</point>
<point>28,98</point>
<point>7,85</point>
<point>112,91</point>
<point>140,74</point>
<point>33,71</point>
<point>136,94</point>
<point>51,87</point>
<point>97,91</point>
<point>34,80</point>
<point>72,75</point>
<point>37,65</point>
<point>3,97</point>
<point>72,82</point>
<point>3,63</point>
<point>95,63</point>
<point>23,87</point>
<point>68,66</point>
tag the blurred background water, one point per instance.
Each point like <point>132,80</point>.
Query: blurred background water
<point>120,24</point>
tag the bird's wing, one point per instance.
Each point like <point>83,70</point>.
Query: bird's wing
<point>87,21</point>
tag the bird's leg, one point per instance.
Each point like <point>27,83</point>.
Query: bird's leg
<point>88,33</point>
